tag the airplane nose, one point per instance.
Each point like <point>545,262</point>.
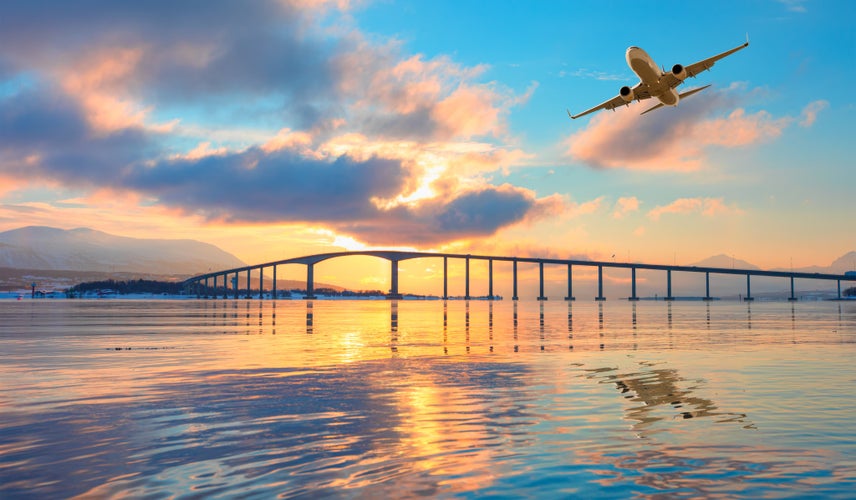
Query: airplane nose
<point>634,53</point>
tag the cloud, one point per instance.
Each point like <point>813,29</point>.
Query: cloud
<point>705,206</point>
<point>193,53</point>
<point>624,206</point>
<point>809,113</point>
<point>671,139</point>
<point>794,5</point>
<point>408,98</point>
<point>258,113</point>
<point>44,136</point>
<point>596,75</point>
<point>588,207</point>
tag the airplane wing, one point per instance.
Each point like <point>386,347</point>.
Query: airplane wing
<point>696,68</point>
<point>640,91</point>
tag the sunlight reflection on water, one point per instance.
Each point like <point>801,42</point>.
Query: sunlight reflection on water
<point>335,398</point>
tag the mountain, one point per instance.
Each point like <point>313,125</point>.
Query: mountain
<point>725,261</point>
<point>846,262</point>
<point>725,285</point>
<point>85,249</point>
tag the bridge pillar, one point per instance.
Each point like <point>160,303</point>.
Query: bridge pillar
<point>393,279</point>
<point>748,297</point>
<point>707,286</point>
<point>249,285</point>
<point>514,280</point>
<point>273,286</point>
<point>261,283</point>
<point>839,289</point>
<point>541,281</point>
<point>207,288</point>
<point>792,298</point>
<point>633,284</point>
<point>570,284</point>
<point>600,296</point>
<point>235,285</point>
<point>310,281</point>
<point>669,285</point>
<point>445,278</point>
<point>467,278</point>
<point>490,279</point>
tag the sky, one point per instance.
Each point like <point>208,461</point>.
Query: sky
<point>281,128</point>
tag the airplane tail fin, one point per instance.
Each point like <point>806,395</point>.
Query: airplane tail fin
<point>681,96</point>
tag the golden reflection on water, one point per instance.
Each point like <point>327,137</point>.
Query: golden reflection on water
<point>376,397</point>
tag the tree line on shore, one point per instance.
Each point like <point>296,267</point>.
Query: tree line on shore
<point>125,287</point>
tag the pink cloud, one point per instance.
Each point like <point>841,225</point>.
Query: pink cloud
<point>705,206</point>
<point>469,111</point>
<point>809,113</point>
<point>671,139</point>
<point>429,99</point>
<point>97,80</point>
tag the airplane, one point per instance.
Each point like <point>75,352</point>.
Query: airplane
<point>658,83</point>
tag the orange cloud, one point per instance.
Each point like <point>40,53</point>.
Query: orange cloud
<point>706,206</point>
<point>624,206</point>
<point>287,139</point>
<point>588,207</point>
<point>9,184</point>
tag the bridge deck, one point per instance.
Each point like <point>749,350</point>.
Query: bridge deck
<point>396,256</point>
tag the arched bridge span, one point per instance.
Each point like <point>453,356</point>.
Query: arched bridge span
<point>394,257</point>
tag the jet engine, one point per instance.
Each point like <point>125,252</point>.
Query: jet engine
<point>680,72</point>
<point>626,93</point>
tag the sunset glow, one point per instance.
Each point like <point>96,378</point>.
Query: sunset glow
<point>306,127</point>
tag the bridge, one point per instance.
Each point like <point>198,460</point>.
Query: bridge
<point>211,280</point>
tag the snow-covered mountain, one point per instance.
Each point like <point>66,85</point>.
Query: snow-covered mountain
<point>86,249</point>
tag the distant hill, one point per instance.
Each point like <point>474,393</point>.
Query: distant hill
<point>726,286</point>
<point>846,262</point>
<point>84,249</point>
<point>725,261</point>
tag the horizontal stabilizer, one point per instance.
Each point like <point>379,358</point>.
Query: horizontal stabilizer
<point>693,91</point>
<point>681,96</point>
<point>652,108</point>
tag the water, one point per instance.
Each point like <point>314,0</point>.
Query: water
<point>249,399</point>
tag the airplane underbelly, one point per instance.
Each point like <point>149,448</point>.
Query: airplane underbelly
<point>644,70</point>
<point>669,97</point>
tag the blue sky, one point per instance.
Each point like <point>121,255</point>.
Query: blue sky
<point>278,128</point>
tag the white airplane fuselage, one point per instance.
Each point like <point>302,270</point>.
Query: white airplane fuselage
<point>648,72</point>
<point>657,82</point>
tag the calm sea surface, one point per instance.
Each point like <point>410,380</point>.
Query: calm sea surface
<point>251,399</point>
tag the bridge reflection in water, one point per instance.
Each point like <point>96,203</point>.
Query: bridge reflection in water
<point>427,327</point>
<point>217,282</point>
